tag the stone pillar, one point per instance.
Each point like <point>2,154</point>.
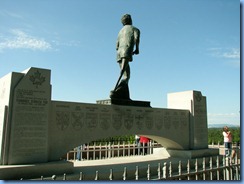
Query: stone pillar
<point>7,84</point>
<point>196,104</point>
<point>26,135</point>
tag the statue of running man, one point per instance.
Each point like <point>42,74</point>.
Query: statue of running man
<point>128,38</point>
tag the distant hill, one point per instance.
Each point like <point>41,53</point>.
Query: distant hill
<point>222,125</point>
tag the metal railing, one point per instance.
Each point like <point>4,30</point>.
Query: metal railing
<point>210,168</point>
<point>224,169</point>
<point>111,150</point>
<point>206,168</point>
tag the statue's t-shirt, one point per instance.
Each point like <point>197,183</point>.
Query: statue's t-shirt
<point>126,40</point>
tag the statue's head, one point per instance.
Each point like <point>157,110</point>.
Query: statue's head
<point>126,19</point>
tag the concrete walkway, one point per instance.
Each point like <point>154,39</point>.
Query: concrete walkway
<point>103,167</point>
<point>89,167</point>
<point>119,160</point>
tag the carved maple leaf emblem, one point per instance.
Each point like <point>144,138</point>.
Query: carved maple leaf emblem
<point>37,79</point>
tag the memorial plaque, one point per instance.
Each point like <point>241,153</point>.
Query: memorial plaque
<point>30,113</point>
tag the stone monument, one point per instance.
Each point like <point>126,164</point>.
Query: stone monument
<point>35,129</point>
<point>24,115</point>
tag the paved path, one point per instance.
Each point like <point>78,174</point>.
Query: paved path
<point>117,165</point>
<point>89,168</point>
<point>119,160</point>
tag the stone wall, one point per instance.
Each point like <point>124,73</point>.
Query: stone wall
<point>75,123</point>
<point>34,129</point>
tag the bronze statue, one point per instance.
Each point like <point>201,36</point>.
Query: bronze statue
<point>128,38</point>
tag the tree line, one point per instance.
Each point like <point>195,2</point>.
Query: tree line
<point>215,135</point>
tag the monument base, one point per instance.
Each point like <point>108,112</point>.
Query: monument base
<point>30,171</point>
<point>114,101</point>
<point>192,153</point>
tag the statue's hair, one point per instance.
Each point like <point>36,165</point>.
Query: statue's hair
<point>126,19</point>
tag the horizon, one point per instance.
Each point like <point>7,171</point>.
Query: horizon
<point>182,48</point>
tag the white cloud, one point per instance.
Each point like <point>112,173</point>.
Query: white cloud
<point>233,53</point>
<point>231,56</point>
<point>72,43</point>
<point>21,40</point>
<point>10,14</point>
<point>228,53</point>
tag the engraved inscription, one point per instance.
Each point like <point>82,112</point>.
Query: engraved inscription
<point>198,96</point>
<point>139,121</point>
<point>117,121</point>
<point>175,120</point>
<point>129,120</point>
<point>183,119</point>
<point>167,120</point>
<point>200,110</point>
<point>91,120</point>
<point>29,97</point>
<point>149,122</point>
<point>77,120</point>
<point>159,121</point>
<point>26,119</point>
<point>62,119</point>
<point>105,121</point>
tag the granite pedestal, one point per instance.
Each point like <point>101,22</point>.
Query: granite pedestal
<point>124,102</point>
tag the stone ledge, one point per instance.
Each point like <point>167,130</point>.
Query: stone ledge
<point>114,101</point>
<point>193,153</point>
<point>16,172</point>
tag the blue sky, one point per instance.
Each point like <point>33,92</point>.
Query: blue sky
<point>185,45</point>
